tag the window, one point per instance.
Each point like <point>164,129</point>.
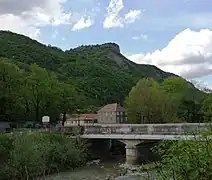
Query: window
<point>117,121</point>
<point>121,120</point>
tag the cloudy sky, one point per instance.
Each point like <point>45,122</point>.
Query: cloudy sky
<point>175,35</point>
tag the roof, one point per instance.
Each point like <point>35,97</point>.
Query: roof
<point>89,116</point>
<point>112,107</point>
<point>84,116</point>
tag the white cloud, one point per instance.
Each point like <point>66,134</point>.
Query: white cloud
<point>113,18</point>
<point>16,24</point>
<point>27,17</point>
<point>144,37</point>
<point>83,23</point>
<point>132,16</point>
<point>188,54</point>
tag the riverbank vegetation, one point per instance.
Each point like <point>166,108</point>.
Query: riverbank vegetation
<point>186,159</point>
<point>31,155</point>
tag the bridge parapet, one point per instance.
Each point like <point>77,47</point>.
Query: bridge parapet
<point>141,129</point>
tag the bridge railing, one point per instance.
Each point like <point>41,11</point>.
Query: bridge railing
<point>149,129</point>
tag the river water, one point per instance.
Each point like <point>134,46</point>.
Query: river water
<point>103,171</point>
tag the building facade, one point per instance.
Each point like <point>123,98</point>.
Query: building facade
<point>112,114</point>
<point>81,119</point>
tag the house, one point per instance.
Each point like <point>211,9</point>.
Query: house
<point>112,114</point>
<point>81,119</point>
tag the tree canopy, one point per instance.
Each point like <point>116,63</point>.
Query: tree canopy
<point>29,95</point>
<point>100,72</point>
<point>37,80</point>
<point>172,100</point>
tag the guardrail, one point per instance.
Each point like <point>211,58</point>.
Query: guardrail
<point>148,129</point>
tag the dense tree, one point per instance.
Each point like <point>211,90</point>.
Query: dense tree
<point>189,111</point>
<point>173,100</point>
<point>29,95</point>
<point>10,91</point>
<point>206,108</point>
<point>147,103</point>
<point>84,78</point>
<point>185,99</point>
<point>177,88</point>
<point>70,100</point>
<point>43,91</point>
<point>100,72</point>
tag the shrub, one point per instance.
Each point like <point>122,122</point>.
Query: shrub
<point>186,159</point>
<point>38,154</point>
<point>6,144</point>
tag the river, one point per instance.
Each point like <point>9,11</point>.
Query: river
<point>96,170</point>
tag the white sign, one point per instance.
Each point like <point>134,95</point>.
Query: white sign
<point>45,119</point>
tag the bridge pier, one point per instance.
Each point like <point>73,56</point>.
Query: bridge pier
<point>131,154</point>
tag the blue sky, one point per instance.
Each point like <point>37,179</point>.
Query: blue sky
<point>175,35</point>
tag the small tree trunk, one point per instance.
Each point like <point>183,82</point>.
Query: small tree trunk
<point>37,110</point>
<point>64,118</point>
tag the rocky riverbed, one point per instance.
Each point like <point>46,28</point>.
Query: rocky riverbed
<point>97,170</point>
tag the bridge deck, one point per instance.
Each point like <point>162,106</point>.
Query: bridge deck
<point>136,137</point>
<point>140,131</point>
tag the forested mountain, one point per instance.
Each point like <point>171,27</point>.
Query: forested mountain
<point>100,72</point>
<point>38,80</point>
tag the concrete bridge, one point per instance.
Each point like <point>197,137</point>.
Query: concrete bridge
<point>134,135</point>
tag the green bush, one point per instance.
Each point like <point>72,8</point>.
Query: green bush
<point>186,159</point>
<point>38,154</point>
<point>6,144</point>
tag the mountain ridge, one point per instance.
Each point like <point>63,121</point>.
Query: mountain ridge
<point>101,72</point>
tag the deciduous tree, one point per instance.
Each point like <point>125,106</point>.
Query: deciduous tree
<point>147,103</point>
<point>43,91</point>
<point>10,91</point>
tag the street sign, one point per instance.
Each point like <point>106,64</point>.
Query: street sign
<point>45,119</point>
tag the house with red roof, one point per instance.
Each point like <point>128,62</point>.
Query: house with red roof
<point>81,119</point>
<point>112,114</point>
<point>109,114</point>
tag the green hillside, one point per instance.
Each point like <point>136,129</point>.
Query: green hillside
<point>100,72</point>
